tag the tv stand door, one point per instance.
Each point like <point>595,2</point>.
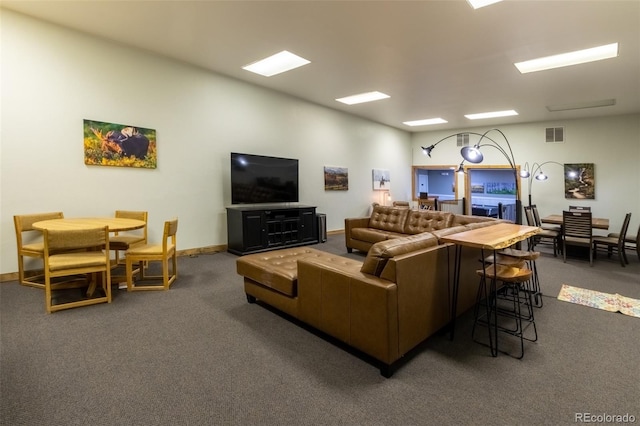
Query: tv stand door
<point>253,231</point>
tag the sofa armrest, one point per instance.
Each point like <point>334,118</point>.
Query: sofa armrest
<point>355,222</point>
<point>356,308</point>
<point>423,280</point>
<point>351,223</point>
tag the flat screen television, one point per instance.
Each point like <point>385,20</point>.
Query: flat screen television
<point>258,179</point>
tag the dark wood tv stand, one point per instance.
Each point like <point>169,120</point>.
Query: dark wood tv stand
<point>256,228</point>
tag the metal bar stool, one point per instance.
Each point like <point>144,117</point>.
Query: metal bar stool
<point>529,256</point>
<point>504,309</point>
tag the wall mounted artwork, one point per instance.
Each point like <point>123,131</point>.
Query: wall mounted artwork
<point>477,188</point>
<point>110,144</point>
<point>381,180</point>
<point>579,181</point>
<point>503,188</point>
<point>336,178</point>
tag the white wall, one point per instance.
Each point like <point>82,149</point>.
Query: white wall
<point>53,78</point>
<point>611,143</point>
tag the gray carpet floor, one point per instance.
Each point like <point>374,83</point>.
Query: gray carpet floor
<point>199,354</point>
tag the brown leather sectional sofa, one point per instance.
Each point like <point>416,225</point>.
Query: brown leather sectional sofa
<point>388,223</point>
<point>384,306</point>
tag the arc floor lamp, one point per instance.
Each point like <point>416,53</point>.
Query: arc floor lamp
<point>473,154</point>
<point>535,172</point>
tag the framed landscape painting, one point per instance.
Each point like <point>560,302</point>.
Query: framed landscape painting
<point>110,144</point>
<point>579,181</point>
<point>477,188</point>
<point>336,178</point>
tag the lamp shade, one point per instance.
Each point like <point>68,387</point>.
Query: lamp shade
<point>472,154</point>
<point>524,173</point>
<point>541,176</point>
<point>427,150</point>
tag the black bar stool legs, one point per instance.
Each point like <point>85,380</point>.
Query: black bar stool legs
<point>505,304</point>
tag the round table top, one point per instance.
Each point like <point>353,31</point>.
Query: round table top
<point>115,224</point>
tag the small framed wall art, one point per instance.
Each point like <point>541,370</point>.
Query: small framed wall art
<point>381,180</point>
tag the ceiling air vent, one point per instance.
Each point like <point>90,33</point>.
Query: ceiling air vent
<point>463,139</point>
<point>554,134</point>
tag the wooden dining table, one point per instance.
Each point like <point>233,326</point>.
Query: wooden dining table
<point>596,222</point>
<point>114,224</point>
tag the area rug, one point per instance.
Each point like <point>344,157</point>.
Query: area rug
<point>596,299</point>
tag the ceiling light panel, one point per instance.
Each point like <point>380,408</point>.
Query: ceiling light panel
<point>477,4</point>
<point>570,58</point>
<point>276,64</point>
<point>426,122</point>
<point>363,97</point>
<point>494,114</point>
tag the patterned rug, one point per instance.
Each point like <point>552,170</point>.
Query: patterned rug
<point>597,299</point>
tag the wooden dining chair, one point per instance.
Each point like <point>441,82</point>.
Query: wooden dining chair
<point>545,236</point>
<point>154,252</point>
<point>73,253</point>
<point>401,204</point>
<point>122,241</point>
<point>634,242</point>
<point>536,217</point>
<point>577,231</point>
<point>616,243</point>
<point>29,243</point>
<point>580,208</point>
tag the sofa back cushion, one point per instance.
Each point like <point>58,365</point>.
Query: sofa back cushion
<point>448,231</point>
<point>464,219</point>
<point>382,251</point>
<point>426,221</point>
<point>388,218</point>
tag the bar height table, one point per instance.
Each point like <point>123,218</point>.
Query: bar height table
<point>494,237</point>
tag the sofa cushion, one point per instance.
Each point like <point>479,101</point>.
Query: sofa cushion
<point>464,219</point>
<point>477,225</point>
<point>426,221</point>
<point>448,231</point>
<point>388,218</point>
<point>277,269</point>
<point>381,252</point>
<point>369,235</point>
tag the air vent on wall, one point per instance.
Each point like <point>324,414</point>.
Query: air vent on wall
<point>463,139</point>
<point>554,134</point>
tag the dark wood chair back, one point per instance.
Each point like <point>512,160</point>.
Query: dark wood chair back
<point>577,224</point>
<point>528,214</point>
<point>577,230</point>
<point>536,215</point>
<point>579,208</point>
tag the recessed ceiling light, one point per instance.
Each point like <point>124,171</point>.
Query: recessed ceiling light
<point>493,114</point>
<point>276,64</point>
<point>570,58</point>
<point>425,122</point>
<point>477,4</point>
<point>582,105</point>
<point>363,97</point>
